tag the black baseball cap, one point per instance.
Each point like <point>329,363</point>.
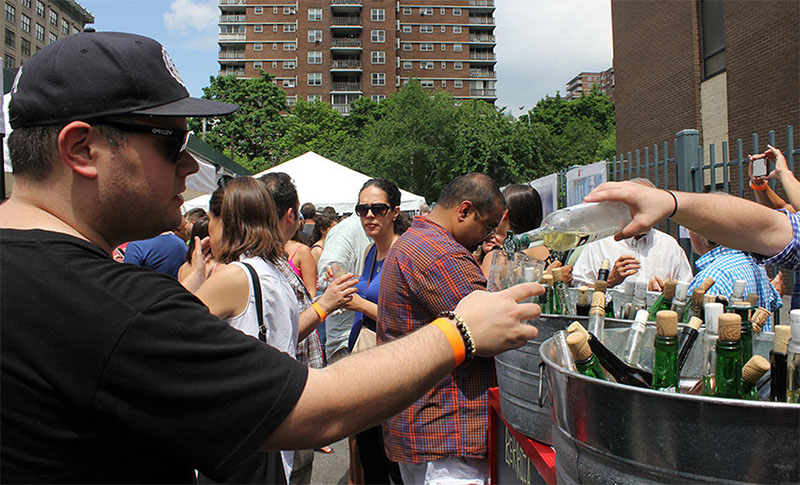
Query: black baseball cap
<point>92,75</point>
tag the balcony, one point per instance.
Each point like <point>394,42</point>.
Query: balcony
<point>232,3</point>
<point>346,5</point>
<point>482,74</point>
<point>483,93</point>
<point>225,19</point>
<point>346,22</point>
<point>230,37</point>
<point>346,44</point>
<point>346,86</point>
<point>230,55</point>
<point>481,5</point>
<point>342,108</point>
<point>231,72</point>
<point>345,64</point>
<point>487,39</point>
<point>481,20</point>
<point>482,56</point>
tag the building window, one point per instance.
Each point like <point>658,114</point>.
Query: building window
<point>289,46</point>
<point>64,27</point>
<point>426,29</point>
<point>288,83</point>
<point>258,10</point>
<point>275,10</point>
<point>25,22</point>
<point>444,83</point>
<point>275,46</point>
<point>458,83</point>
<point>713,46</point>
<point>457,47</point>
<point>406,64</point>
<point>315,79</point>
<point>407,47</point>
<point>75,30</point>
<point>291,100</point>
<point>40,8</point>
<point>11,13</point>
<point>26,3</point>
<point>378,79</point>
<point>51,37</point>
<point>426,47</point>
<point>443,46</point>
<point>458,65</point>
<point>457,12</point>
<point>443,11</point>
<point>314,98</point>
<point>377,14</point>
<point>10,38</point>
<point>315,35</point>
<point>274,64</point>
<point>406,29</point>
<point>289,65</point>
<point>39,33</point>
<point>378,36</point>
<point>426,11</point>
<point>315,15</point>
<point>53,18</point>
<point>258,28</point>
<point>378,97</point>
<point>289,11</point>
<point>315,57</point>
<point>426,65</point>
<point>426,83</point>
<point>9,62</point>
<point>444,29</point>
<point>257,65</point>
<point>406,10</point>
<point>378,57</point>
<point>444,65</point>
<point>289,28</point>
<point>456,29</point>
<point>258,47</point>
<point>275,28</point>
<point>25,47</point>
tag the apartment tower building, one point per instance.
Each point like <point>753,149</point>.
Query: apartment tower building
<point>339,50</point>
<point>30,25</point>
<point>585,81</point>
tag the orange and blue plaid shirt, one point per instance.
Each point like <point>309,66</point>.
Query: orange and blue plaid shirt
<point>427,272</point>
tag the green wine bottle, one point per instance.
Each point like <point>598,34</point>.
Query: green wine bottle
<point>728,382</point>
<point>544,298</point>
<point>711,312</point>
<point>752,372</point>
<point>560,289</point>
<point>665,363</point>
<point>585,360</point>
<point>743,309</point>
<point>697,301</point>
<point>664,301</point>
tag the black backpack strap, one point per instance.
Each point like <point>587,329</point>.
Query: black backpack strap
<point>262,334</point>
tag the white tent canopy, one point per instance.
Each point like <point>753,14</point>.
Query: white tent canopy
<point>324,183</point>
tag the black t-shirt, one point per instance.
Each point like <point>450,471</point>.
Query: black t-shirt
<point>114,373</point>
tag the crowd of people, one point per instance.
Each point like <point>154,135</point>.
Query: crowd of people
<point>243,337</point>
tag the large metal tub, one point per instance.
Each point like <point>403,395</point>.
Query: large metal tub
<point>520,382</point>
<point>605,432</point>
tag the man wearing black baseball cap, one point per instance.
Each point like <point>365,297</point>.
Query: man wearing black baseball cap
<point>111,372</point>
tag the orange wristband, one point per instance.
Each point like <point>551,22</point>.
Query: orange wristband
<point>454,337</point>
<point>756,187</point>
<point>320,312</point>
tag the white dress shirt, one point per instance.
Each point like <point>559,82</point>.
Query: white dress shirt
<point>659,254</point>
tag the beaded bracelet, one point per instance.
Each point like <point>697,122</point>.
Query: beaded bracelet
<point>469,342</point>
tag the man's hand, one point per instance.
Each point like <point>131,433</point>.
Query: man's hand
<point>778,284</point>
<point>196,275</point>
<point>775,155</point>
<point>655,284</point>
<point>623,267</point>
<point>495,319</point>
<point>338,293</point>
<point>648,205</point>
<point>566,271</point>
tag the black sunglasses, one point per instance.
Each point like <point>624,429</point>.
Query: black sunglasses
<point>378,210</point>
<point>181,137</point>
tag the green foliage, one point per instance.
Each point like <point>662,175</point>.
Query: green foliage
<point>313,127</point>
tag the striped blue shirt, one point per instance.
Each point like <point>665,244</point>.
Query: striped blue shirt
<point>789,257</point>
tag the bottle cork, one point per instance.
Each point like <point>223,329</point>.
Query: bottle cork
<point>730,327</point>
<point>782,335</point>
<point>577,327</point>
<point>600,285</point>
<point>667,323</point>
<point>669,289</point>
<point>547,280</point>
<point>706,284</point>
<point>579,346</point>
<point>583,295</point>
<point>557,276</point>
<point>698,296</point>
<point>759,318</point>
<point>695,323</point>
<point>598,299</point>
<point>752,298</point>
<point>605,264</point>
<point>754,369</point>
<point>709,299</point>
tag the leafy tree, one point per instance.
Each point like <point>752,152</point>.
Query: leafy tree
<point>314,126</point>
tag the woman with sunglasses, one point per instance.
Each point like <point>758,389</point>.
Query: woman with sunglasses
<point>379,210</point>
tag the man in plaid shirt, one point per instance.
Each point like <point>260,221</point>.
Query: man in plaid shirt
<point>428,270</point>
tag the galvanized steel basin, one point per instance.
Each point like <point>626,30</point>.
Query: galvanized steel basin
<point>605,432</point>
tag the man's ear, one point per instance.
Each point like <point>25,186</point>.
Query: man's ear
<point>465,208</point>
<point>76,148</point>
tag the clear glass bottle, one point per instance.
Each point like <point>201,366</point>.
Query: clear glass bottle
<point>698,300</point>
<point>665,361</point>
<point>585,361</point>
<point>738,291</point>
<point>597,316</point>
<point>752,372</point>
<point>728,376</point>
<point>561,289</point>
<point>633,346</point>
<point>664,301</point>
<point>687,340</point>
<point>639,301</point>
<point>564,354</point>
<point>712,314</point>
<point>627,298</point>
<point>679,301</point>
<point>573,226</point>
<point>544,298</point>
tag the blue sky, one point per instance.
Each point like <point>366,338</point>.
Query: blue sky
<point>541,44</point>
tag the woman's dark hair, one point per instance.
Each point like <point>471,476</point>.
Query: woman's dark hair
<point>249,220</point>
<point>524,207</point>
<point>393,196</point>
<point>322,223</point>
<point>199,229</point>
<point>195,214</point>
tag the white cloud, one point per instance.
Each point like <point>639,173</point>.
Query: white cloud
<point>184,16</point>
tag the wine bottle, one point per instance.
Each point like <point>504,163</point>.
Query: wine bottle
<point>738,291</point>
<point>639,301</point>
<point>585,361</point>
<point>573,226</point>
<point>752,298</point>
<point>602,286</point>
<point>582,306</point>
<point>633,346</point>
<point>665,362</point>
<point>778,364</point>
<point>712,312</point>
<point>743,310</point>
<point>752,372</point>
<point>597,315</point>
<point>664,301</point>
<point>602,273</point>
<point>679,301</point>
<point>545,299</point>
<point>687,340</point>
<point>793,359</point>
<point>728,378</point>
<point>698,300</point>
<point>627,297</point>
<point>759,318</point>
<point>562,349</point>
<point>561,290</point>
